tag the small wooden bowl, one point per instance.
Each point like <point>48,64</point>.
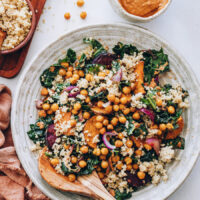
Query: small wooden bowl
<point>29,35</point>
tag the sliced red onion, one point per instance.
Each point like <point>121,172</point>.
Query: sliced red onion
<point>148,112</point>
<point>106,142</point>
<point>156,79</point>
<point>118,76</point>
<point>38,104</point>
<point>50,137</point>
<point>154,142</point>
<point>72,93</point>
<point>106,104</point>
<point>69,88</point>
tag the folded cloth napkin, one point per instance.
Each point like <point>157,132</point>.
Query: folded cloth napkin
<point>14,183</point>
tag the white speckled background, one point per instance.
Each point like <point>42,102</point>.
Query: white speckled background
<point>179,25</point>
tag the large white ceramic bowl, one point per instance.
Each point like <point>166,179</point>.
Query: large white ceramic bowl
<point>24,112</point>
<point>133,18</point>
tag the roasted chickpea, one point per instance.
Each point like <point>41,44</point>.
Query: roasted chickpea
<point>147,147</point>
<point>119,166</point>
<point>129,143</point>
<point>87,100</point>
<point>171,109</point>
<point>77,106</point>
<point>126,90</point>
<point>44,92</point>
<point>71,177</point>
<point>73,81</point>
<point>65,64</point>
<point>138,152</point>
<point>117,100</point>
<point>129,167</point>
<point>86,115</point>
<point>102,130</point>
<point>97,152</point>
<point>54,107</point>
<point>75,112</point>
<point>100,104</point>
<point>135,166</point>
<point>124,100</point>
<point>99,118</point>
<point>40,125</point>
<point>42,113</point>
<point>84,92</point>
<point>118,143</point>
<point>89,77</point>
<point>111,97</point>
<point>80,3</point>
<point>98,125</point>
<point>136,116</point>
<point>74,159</point>
<point>52,69</point>
<point>67,15</point>
<point>49,112</point>
<point>73,122</point>
<point>115,159</point>
<point>128,160</point>
<point>81,73</point>
<point>84,149</point>
<point>110,127</point>
<point>104,151</point>
<point>112,192</point>
<point>141,175</point>
<point>120,136</point>
<point>101,175</point>
<point>121,107</point>
<point>162,127</point>
<point>114,121</point>
<point>104,164</point>
<point>54,161</point>
<point>68,74</point>
<point>126,111</point>
<point>102,157</point>
<point>122,119</point>
<point>76,77</point>
<point>108,109</point>
<point>102,74</point>
<point>82,164</point>
<point>170,126</point>
<point>132,109</point>
<point>159,102</point>
<point>105,122</point>
<point>115,108</point>
<point>83,15</point>
<point>70,69</point>
<point>62,72</point>
<point>159,132</point>
<point>66,146</point>
<point>46,106</point>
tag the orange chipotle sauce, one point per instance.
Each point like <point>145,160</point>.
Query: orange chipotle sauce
<point>143,8</point>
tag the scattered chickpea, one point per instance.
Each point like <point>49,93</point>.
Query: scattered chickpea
<point>101,175</point>
<point>97,152</point>
<point>84,149</point>
<point>102,74</point>
<point>46,106</point>
<point>119,166</point>
<point>171,109</point>
<point>67,15</point>
<point>73,81</point>
<point>44,92</point>
<point>121,107</point>
<point>128,160</point>
<point>141,175</point>
<point>162,127</point>
<point>115,159</point>
<point>99,118</point>
<point>132,109</point>
<point>40,125</point>
<point>65,64</point>
<point>124,100</point>
<point>105,122</point>
<point>54,161</point>
<point>136,116</point>
<point>108,109</point>
<point>87,100</point>
<point>77,106</point>
<point>102,157</point>
<point>80,3</point>
<point>147,147</point>
<point>117,100</point>
<point>115,108</point>
<point>86,115</point>
<point>129,143</point>
<point>76,77</point>
<point>110,127</point>
<point>126,90</point>
<point>83,15</point>
<point>126,111</point>
<point>98,125</point>
<point>159,102</point>
<point>70,69</point>
<point>42,113</point>
<point>170,126</point>
<point>118,143</point>
<point>62,72</point>
<point>104,151</point>
<point>54,107</point>
<point>82,164</point>
<point>75,72</point>
<point>74,159</point>
<point>102,130</point>
<point>71,177</point>
<point>73,122</point>
<point>159,132</point>
<point>135,166</point>
<point>89,77</point>
<point>68,74</point>
<point>66,146</point>
<point>129,167</point>
<point>122,119</point>
<point>138,152</point>
<point>52,69</point>
<point>120,136</point>
<point>111,97</point>
<point>100,104</point>
<point>75,112</point>
<point>84,92</point>
<point>81,73</point>
<point>114,121</point>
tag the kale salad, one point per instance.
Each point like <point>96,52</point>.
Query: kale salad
<point>107,111</point>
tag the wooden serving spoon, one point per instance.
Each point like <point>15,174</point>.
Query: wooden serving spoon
<point>87,185</point>
<point>2,37</point>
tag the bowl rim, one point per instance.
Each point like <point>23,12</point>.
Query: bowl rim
<point>29,35</point>
<point>23,75</point>
<point>120,10</point>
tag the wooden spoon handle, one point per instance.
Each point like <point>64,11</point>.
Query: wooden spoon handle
<point>93,183</point>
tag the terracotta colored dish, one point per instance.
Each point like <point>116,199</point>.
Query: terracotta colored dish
<point>130,17</point>
<point>28,37</point>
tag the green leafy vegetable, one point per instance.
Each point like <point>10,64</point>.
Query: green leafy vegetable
<point>122,196</point>
<point>148,156</point>
<point>123,83</point>
<point>177,143</point>
<point>93,68</point>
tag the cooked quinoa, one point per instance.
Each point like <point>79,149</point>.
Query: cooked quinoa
<point>15,20</point>
<point>108,112</point>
